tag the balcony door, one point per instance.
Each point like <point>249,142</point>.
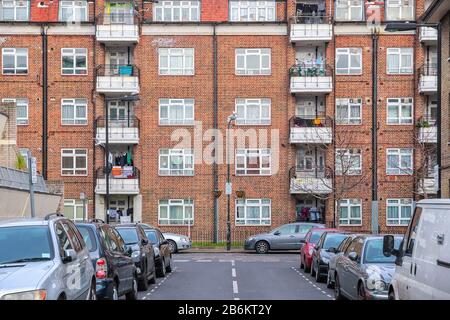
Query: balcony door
<point>431,110</point>
<point>310,162</point>
<point>116,58</point>
<point>310,107</point>
<point>118,113</point>
<point>119,12</point>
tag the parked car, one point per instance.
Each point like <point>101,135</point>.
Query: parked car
<point>422,269</point>
<point>363,272</point>
<point>44,259</point>
<point>323,251</point>
<point>114,268</point>
<point>332,264</point>
<point>309,242</point>
<point>141,251</point>
<point>177,242</point>
<point>163,255</point>
<point>286,237</point>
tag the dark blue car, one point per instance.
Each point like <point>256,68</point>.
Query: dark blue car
<point>115,270</point>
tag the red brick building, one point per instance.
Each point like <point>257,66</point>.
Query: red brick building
<point>301,71</point>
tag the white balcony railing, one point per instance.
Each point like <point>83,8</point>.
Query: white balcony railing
<point>117,28</point>
<point>117,79</point>
<point>428,134</point>
<point>308,185</point>
<point>311,28</point>
<point>311,78</point>
<point>123,183</point>
<point>427,186</point>
<point>312,131</point>
<point>428,34</point>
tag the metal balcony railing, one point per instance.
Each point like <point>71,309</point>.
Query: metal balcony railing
<point>118,123</point>
<point>319,121</point>
<point>117,19</point>
<point>311,69</point>
<point>100,173</point>
<point>115,70</point>
<point>316,171</point>
<point>310,19</point>
<point>428,69</point>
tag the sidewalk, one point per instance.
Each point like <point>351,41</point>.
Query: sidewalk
<point>215,250</point>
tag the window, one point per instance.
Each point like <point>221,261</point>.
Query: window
<point>400,111</point>
<point>350,212</point>
<point>14,10</point>
<point>253,162</point>
<point>21,110</point>
<point>24,153</point>
<point>348,162</point>
<point>176,162</point>
<point>399,161</point>
<point>398,211</point>
<point>399,10</point>
<point>400,60</point>
<point>73,209</point>
<point>73,61</point>
<point>411,233</point>
<point>73,10</point>
<point>74,111</point>
<point>253,212</point>
<point>176,111</point>
<point>176,212</point>
<point>73,162</point>
<point>15,60</point>
<point>253,61</point>
<point>348,61</point>
<point>177,11</point>
<point>253,111</point>
<point>252,10</point>
<point>348,111</point>
<point>349,10</point>
<point>176,61</point>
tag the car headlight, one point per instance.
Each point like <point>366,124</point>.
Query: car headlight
<point>251,239</point>
<point>27,295</point>
<point>311,250</point>
<point>185,240</point>
<point>376,285</point>
<point>135,254</point>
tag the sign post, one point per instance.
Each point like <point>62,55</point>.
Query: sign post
<point>32,167</point>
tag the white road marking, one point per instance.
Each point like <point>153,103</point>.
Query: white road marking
<point>233,273</point>
<point>237,299</point>
<point>233,263</point>
<point>203,260</point>
<point>235,287</point>
<point>181,260</point>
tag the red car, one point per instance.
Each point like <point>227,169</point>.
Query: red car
<point>310,241</point>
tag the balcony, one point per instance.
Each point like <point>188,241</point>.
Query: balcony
<point>427,132</point>
<point>120,131</point>
<point>117,79</point>
<point>309,29</point>
<point>318,130</point>
<point>428,35</point>
<point>428,79</point>
<point>315,181</point>
<point>122,180</point>
<point>426,186</point>
<point>118,28</point>
<point>311,78</point>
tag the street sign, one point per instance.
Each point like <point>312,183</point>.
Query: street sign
<point>33,171</point>
<point>228,188</point>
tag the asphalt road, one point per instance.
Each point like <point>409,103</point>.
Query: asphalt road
<point>236,276</point>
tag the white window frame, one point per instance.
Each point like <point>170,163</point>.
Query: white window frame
<point>185,154</point>
<point>399,104</point>
<point>348,156</point>
<point>76,204</point>
<point>16,5</point>
<point>72,52</point>
<point>74,6</point>
<point>245,103</point>
<point>74,156</point>
<point>252,11</point>
<point>400,204</point>
<point>168,203</point>
<point>176,103</point>
<point>401,54</point>
<point>74,103</point>
<point>24,152</point>
<point>20,102</point>
<point>406,12</point>
<point>348,103</point>
<point>193,9</point>
<point>400,153</point>
<point>351,70</point>
<point>13,52</point>
<point>245,170</point>
<point>171,53</point>
<point>245,204</point>
<point>349,5</point>
<point>246,53</point>
<point>349,204</point>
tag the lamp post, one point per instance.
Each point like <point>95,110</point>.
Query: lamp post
<point>408,26</point>
<point>228,186</point>
<point>134,97</point>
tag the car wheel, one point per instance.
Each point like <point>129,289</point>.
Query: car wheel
<point>301,262</point>
<point>361,292</point>
<point>312,271</point>
<point>391,295</point>
<point>169,265</point>
<point>161,271</point>
<point>318,277</point>
<point>329,283</point>
<point>133,294</point>
<point>143,283</point>
<point>262,247</point>
<point>92,292</point>
<point>172,246</point>
<point>337,289</point>
<point>306,268</point>
<point>153,279</point>
<point>115,292</point>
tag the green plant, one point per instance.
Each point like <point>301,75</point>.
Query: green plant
<point>21,162</point>
<point>423,124</point>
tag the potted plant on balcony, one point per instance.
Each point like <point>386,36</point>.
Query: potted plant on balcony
<point>422,123</point>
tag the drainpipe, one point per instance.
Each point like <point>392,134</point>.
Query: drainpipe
<point>216,146</point>
<point>375,223</point>
<point>439,111</point>
<point>44,102</point>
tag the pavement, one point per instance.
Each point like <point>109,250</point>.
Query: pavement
<point>236,276</point>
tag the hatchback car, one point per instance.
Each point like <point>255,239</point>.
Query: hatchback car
<point>114,268</point>
<point>363,272</point>
<point>163,254</point>
<point>141,251</point>
<point>308,246</point>
<point>44,259</point>
<point>286,237</point>
<point>177,242</point>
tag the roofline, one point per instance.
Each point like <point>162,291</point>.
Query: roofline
<point>429,15</point>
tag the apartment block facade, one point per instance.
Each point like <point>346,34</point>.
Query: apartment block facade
<point>345,111</point>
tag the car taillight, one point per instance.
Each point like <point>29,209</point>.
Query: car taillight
<point>101,269</point>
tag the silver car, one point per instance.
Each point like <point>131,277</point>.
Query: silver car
<point>177,242</point>
<point>44,259</point>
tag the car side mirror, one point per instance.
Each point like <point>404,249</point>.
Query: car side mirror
<point>332,250</point>
<point>129,251</point>
<point>69,256</point>
<point>277,233</point>
<point>388,245</point>
<point>353,256</point>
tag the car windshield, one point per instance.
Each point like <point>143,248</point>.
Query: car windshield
<point>88,236</point>
<point>315,235</point>
<point>129,235</point>
<point>333,240</point>
<point>373,253</point>
<point>151,235</point>
<point>24,244</point>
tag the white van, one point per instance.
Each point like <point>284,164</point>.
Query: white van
<point>423,260</point>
